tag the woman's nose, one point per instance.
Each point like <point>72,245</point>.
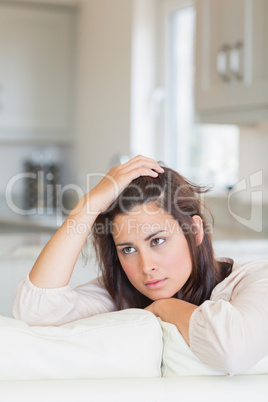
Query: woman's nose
<point>147,264</point>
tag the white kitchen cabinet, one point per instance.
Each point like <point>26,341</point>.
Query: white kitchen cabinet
<point>18,252</point>
<point>231,61</point>
<point>36,72</point>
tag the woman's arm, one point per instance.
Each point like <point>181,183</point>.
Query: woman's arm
<point>56,262</point>
<point>174,311</point>
<point>54,266</point>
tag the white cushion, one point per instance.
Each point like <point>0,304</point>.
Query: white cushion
<point>179,360</point>
<point>260,368</point>
<point>120,344</point>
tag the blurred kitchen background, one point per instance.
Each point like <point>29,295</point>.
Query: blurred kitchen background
<point>86,84</point>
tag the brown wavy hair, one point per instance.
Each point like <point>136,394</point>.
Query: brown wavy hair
<point>182,200</point>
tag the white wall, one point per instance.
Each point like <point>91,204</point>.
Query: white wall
<point>144,95</point>
<point>104,84</point>
<point>116,100</point>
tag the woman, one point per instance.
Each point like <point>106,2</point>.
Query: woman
<point>155,252</point>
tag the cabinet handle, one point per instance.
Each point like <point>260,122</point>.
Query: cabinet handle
<point>1,98</point>
<point>236,61</point>
<point>223,62</point>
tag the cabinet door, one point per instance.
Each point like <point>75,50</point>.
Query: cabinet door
<point>253,90</point>
<point>36,53</point>
<point>214,34</point>
<point>231,60</point>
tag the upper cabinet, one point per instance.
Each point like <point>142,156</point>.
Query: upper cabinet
<point>37,45</point>
<point>231,61</point>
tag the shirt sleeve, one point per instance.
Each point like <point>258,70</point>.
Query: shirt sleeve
<point>37,306</point>
<point>230,331</point>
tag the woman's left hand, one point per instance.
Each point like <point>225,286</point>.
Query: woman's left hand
<point>153,308</point>
<point>174,311</point>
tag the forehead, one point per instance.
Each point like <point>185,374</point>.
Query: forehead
<point>143,220</point>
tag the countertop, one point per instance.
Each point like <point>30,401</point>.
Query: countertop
<point>13,217</point>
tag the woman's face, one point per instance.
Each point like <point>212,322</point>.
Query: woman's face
<point>152,250</point>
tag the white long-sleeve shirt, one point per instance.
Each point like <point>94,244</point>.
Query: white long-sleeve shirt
<point>229,332</point>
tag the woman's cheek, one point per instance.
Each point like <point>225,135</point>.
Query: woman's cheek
<point>129,271</point>
<point>124,264</point>
<point>127,268</point>
<point>171,261</point>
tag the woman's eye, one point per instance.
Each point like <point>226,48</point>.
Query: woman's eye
<point>157,241</point>
<point>128,250</point>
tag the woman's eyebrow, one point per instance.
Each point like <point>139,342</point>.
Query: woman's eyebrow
<point>153,234</point>
<point>124,244</point>
<point>146,239</point>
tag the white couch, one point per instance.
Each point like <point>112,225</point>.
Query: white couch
<point>122,356</point>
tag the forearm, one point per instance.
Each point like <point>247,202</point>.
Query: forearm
<point>56,262</point>
<point>174,311</point>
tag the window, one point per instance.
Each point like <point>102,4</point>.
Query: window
<point>206,154</point>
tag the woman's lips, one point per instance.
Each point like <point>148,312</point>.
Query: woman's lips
<point>155,284</point>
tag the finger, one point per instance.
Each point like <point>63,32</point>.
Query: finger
<point>145,162</point>
<point>141,171</point>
